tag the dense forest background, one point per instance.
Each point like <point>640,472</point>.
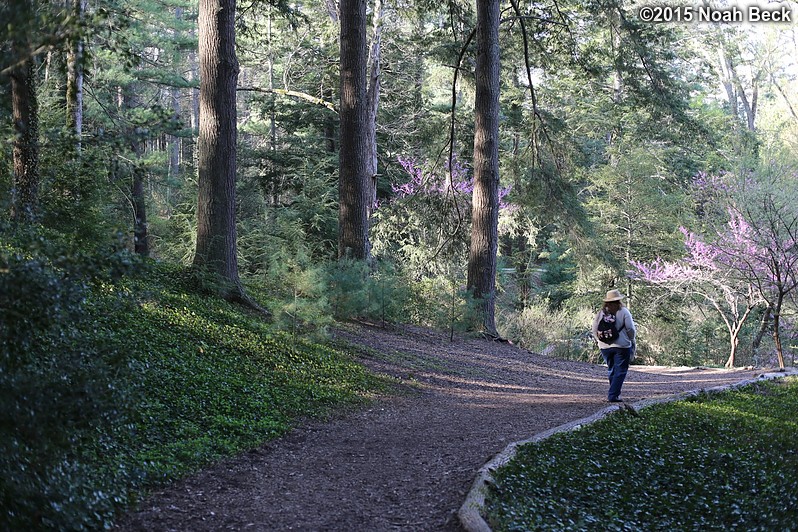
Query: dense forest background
<point>655,158</point>
<point>193,192</point>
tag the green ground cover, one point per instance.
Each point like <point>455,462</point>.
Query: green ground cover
<point>725,461</point>
<point>118,377</point>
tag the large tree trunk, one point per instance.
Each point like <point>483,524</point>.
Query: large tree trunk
<point>485,216</point>
<point>25,113</point>
<point>26,141</point>
<point>354,181</point>
<point>216,202</point>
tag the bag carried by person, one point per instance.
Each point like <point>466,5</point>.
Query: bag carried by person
<point>607,333</point>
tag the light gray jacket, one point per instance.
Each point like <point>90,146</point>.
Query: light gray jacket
<point>626,335</point>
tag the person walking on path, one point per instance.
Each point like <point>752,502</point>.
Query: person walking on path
<point>614,330</point>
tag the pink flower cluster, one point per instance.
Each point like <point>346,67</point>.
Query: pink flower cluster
<point>460,183</point>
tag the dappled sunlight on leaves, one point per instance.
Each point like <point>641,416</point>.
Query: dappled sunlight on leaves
<point>714,461</point>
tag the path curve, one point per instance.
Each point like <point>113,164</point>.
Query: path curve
<point>405,463</point>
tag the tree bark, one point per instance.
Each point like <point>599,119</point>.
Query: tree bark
<point>174,142</point>
<point>777,329</point>
<point>354,181</point>
<point>373,96</point>
<point>216,203</point>
<point>485,209</point>
<point>136,142</point>
<point>725,68</point>
<point>329,124</point>
<point>141,243</point>
<point>734,343</point>
<point>763,327</point>
<point>25,111</point>
<point>74,89</point>
<point>748,107</point>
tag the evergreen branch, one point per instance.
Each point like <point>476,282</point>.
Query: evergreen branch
<point>448,237</point>
<point>522,18</point>
<point>535,110</point>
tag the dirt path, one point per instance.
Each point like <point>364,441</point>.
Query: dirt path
<point>408,462</point>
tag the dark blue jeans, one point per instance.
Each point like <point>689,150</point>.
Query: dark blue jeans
<point>617,359</point>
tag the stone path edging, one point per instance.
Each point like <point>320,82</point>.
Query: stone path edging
<point>470,513</point>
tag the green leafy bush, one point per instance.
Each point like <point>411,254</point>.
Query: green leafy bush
<point>358,289</point>
<point>62,399</point>
<point>441,302</point>
<point>560,333</point>
<point>715,462</point>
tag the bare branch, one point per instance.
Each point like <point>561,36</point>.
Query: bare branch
<point>295,94</point>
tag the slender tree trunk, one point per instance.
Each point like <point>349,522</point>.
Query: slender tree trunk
<point>617,84</point>
<point>141,243</point>
<point>763,327</point>
<point>25,113</point>
<point>175,151</point>
<point>748,107</point>
<point>725,69</point>
<point>373,96</point>
<point>194,107</point>
<point>777,329</point>
<point>734,334</point>
<point>74,92</point>
<point>629,227</point>
<point>485,209</point>
<point>332,9</point>
<point>734,344</point>
<point>329,124</point>
<point>174,142</point>
<point>276,185</point>
<point>785,98</point>
<point>354,181</point>
<point>216,203</point>
<point>128,102</point>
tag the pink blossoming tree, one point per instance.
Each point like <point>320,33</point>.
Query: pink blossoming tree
<point>763,249</point>
<point>751,260</point>
<point>703,272</point>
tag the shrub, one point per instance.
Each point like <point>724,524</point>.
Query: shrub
<point>62,399</point>
<point>559,333</point>
<point>357,289</point>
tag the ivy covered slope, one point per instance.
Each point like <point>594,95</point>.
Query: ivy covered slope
<point>218,379</point>
<point>715,462</point>
<point>116,377</point>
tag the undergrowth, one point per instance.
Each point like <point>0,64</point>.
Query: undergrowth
<point>118,376</point>
<point>715,462</point>
<point>217,379</point>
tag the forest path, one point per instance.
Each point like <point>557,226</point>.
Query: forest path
<point>405,463</point>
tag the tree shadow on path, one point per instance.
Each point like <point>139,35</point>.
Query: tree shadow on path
<point>406,462</point>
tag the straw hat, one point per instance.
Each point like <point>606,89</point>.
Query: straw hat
<point>613,295</point>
